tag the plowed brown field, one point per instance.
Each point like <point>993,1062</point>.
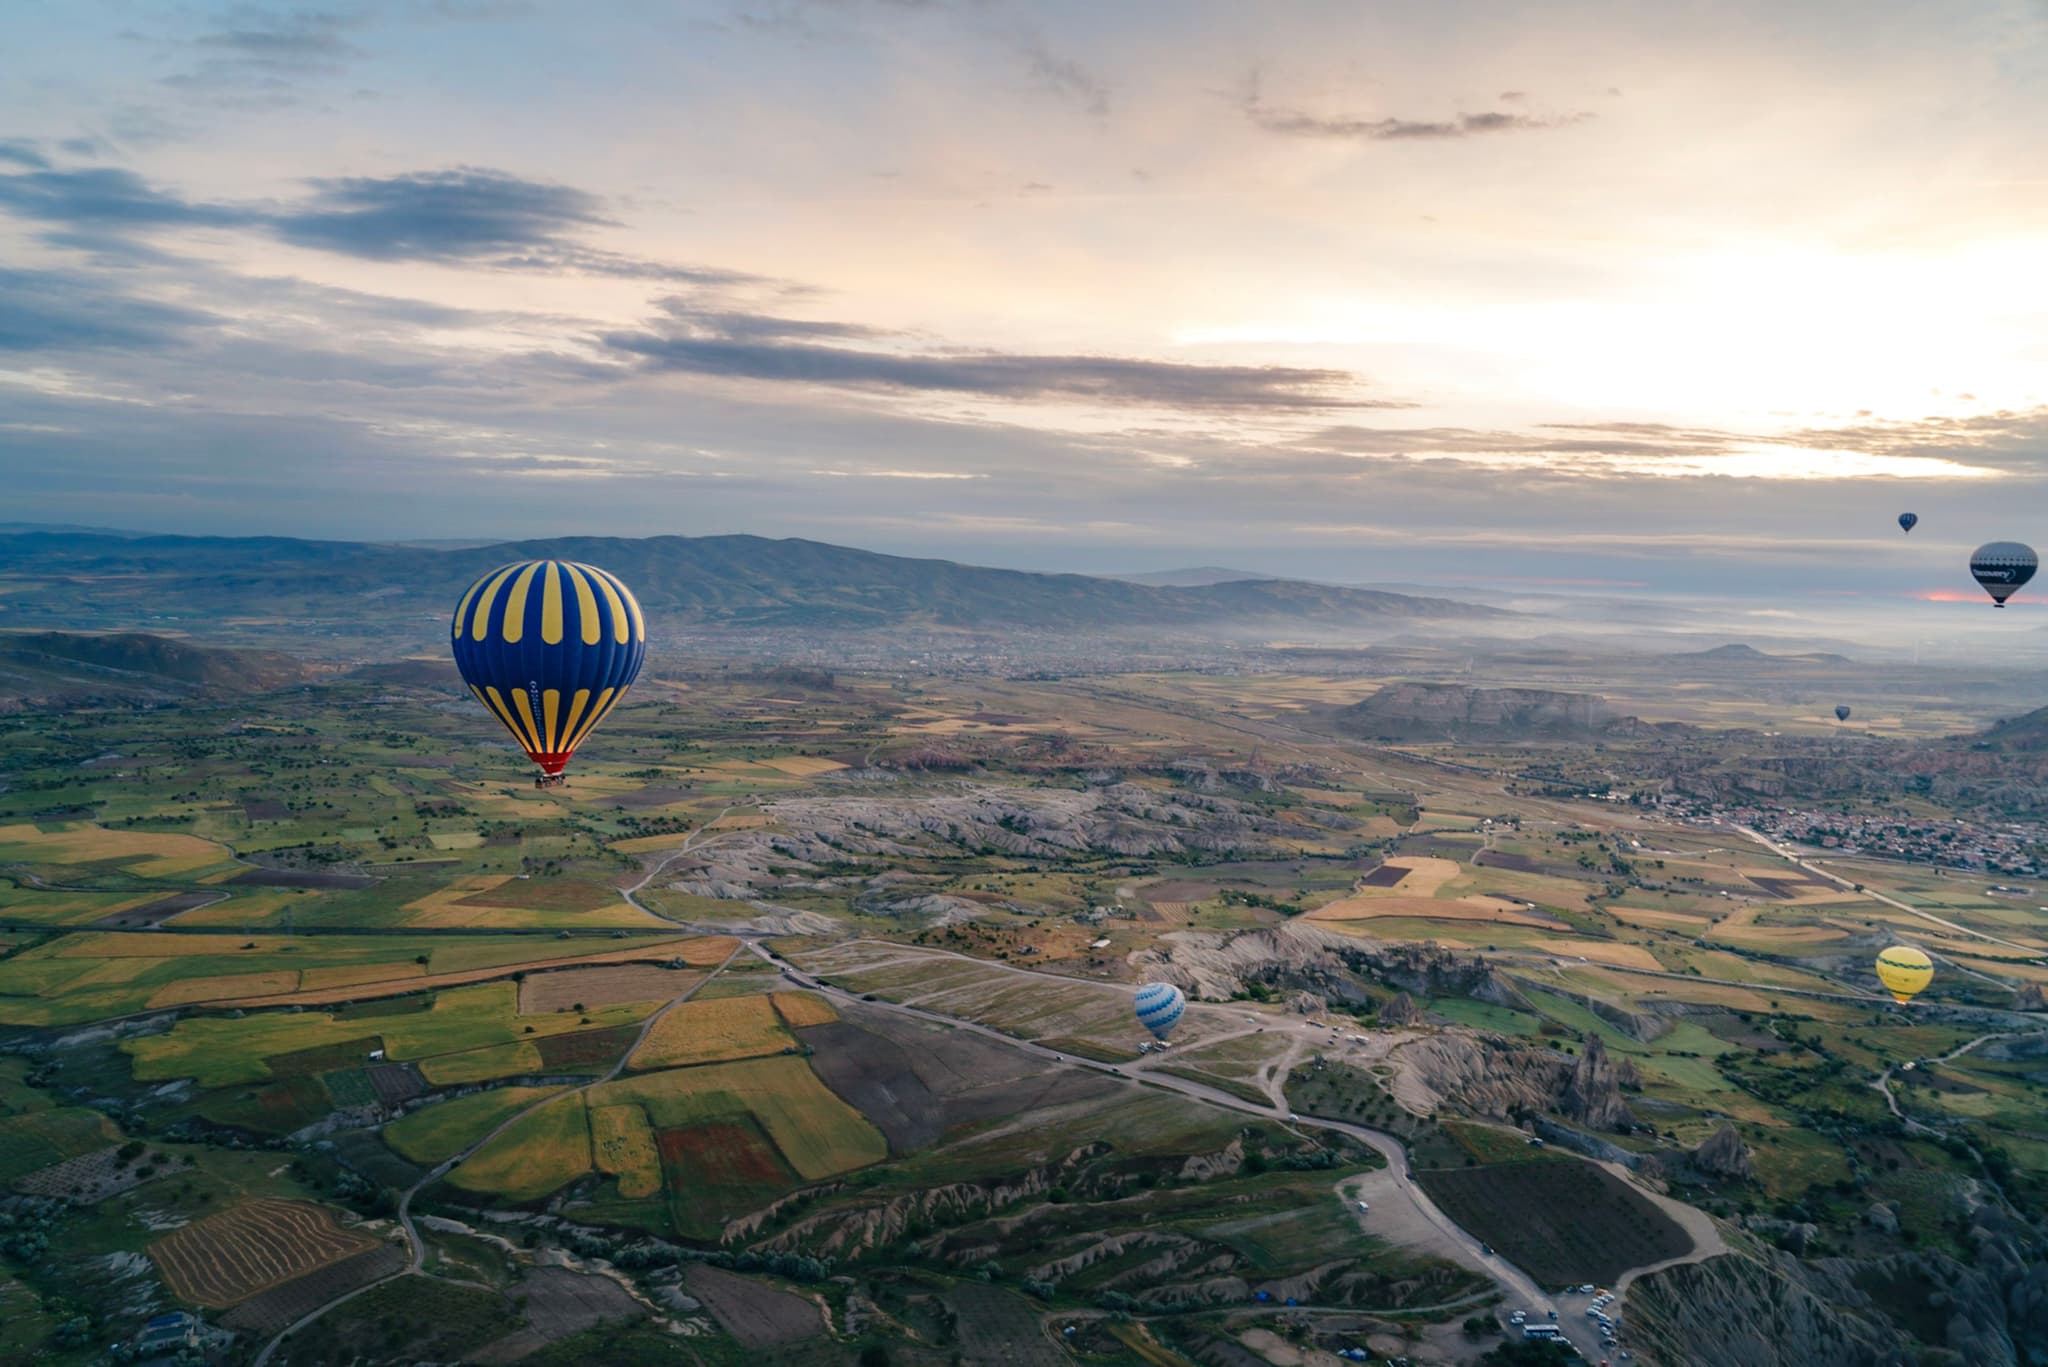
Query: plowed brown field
<point>227,1258</point>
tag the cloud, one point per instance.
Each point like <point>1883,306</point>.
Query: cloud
<point>107,198</point>
<point>1067,78</point>
<point>21,153</point>
<point>1299,123</point>
<point>50,311</point>
<point>437,215</point>
<point>467,215</point>
<point>737,345</point>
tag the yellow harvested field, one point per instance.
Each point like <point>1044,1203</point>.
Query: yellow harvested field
<point>799,1009</point>
<point>85,843</point>
<point>1606,952</point>
<point>189,990</point>
<point>623,1145</point>
<point>1424,875</point>
<point>643,843</point>
<point>111,973</point>
<point>694,951</point>
<point>741,821</point>
<point>803,766</point>
<point>715,1031</point>
<point>1484,909</point>
<point>457,840</point>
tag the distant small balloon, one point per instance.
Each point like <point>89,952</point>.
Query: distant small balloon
<point>2002,567</point>
<point>1907,521</point>
<point>1159,1007</point>
<point>1842,712</point>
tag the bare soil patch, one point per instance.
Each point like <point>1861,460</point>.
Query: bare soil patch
<point>155,913</point>
<point>758,1315</point>
<point>915,1081</point>
<point>396,1083</point>
<point>643,798</point>
<point>1385,876</point>
<point>586,1048</point>
<point>560,1303</point>
<point>265,1314</point>
<point>1788,889</point>
<point>612,985</point>
<point>266,809</point>
<point>1559,1221</point>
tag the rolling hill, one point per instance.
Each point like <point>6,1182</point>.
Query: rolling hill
<point>264,585</point>
<point>54,667</point>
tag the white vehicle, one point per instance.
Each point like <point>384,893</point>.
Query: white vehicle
<point>1364,1206</point>
<point>1518,1317</point>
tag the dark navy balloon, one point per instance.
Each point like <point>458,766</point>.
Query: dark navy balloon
<point>1907,521</point>
<point>2001,567</point>
<point>549,646</point>
<point>1842,712</point>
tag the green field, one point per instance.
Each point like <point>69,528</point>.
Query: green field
<point>538,1154</point>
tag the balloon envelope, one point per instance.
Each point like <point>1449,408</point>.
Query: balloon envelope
<point>1904,971</point>
<point>1842,712</point>
<point>1159,1007</point>
<point>549,647</point>
<point>2002,566</point>
<point>1907,521</point>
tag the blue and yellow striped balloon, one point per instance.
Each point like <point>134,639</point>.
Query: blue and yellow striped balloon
<point>1159,1007</point>
<point>549,646</point>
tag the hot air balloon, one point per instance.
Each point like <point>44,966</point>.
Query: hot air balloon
<point>2001,567</point>
<point>1159,1007</point>
<point>1904,971</point>
<point>549,646</point>
<point>1907,521</point>
<point>1841,712</point>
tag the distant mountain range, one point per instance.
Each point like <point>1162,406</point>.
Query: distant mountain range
<point>259,585</point>
<point>1199,576</point>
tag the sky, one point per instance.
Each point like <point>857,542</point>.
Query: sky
<point>1629,297</point>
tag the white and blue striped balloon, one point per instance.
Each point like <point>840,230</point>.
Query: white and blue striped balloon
<point>1159,1007</point>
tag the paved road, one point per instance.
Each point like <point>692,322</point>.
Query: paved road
<point>1785,852</point>
<point>1884,1081</point>
<point>1401,1211</point>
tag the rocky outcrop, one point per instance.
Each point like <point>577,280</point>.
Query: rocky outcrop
<point>1478,1074</point>
<point>2030,998</point>
<point>1443,712</point>
<point>811,836</point>
<point>1303,956</point>
<point>1722,1156</point>
<point>1752,1310</point>
<point>1592,1096</point>
<point>1400,1012</point>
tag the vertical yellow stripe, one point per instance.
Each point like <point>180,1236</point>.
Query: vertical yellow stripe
<point>632,607</point>
<point>483,603</point>
<point>550,705</point>
<point>604,702</point>
<point>586,604</point>
<point>551,606</point>
<point>515,605</point>
<point>462,613</point>
<point>526,715</point>
<point>576,706</point>
<point>504,713</point>
<point>611,596</point>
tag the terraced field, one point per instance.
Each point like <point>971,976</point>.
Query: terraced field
<point>227,1258</point>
